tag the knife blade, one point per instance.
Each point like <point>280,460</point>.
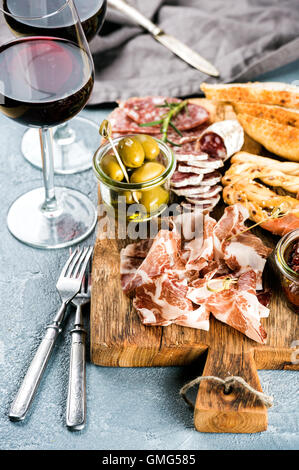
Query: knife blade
<point>187,54</point>
<point>173,44</point>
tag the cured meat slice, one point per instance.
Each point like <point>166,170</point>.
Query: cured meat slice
<point>143,110</point>
<point>139,249</point>
<point>191,149</point>
<point>121,124</point>
<point>193,135</point>
<point>240,250</point>
<point>211,178</point>
<point>198,318</point>
<point>209,163</point>
<point>201,255</point>
<point>179,179</point>
<point>200,201</point>
<point>186,267</point>
<point>213,191</point>
<point>129,266</point>
<point>191,190</point>
<point>162,256</point>
<point>237,306</point>
<point>192,160</point>
<point>222,139</point>
<point>162,300</point>
<point>189,207</point>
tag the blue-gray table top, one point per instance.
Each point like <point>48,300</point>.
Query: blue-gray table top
<point>128,408</point>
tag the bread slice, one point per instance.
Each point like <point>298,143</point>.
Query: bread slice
<point>286,116</point>
<point>272,93</point>
<point>277,138</point>
<point>289,168</point>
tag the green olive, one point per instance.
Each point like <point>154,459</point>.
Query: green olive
<point>147,172</point>
<point>150,146</point>
<point>129,196</point>
<point>131,152</point>
<point>110,166</point>
<point>154,198</point>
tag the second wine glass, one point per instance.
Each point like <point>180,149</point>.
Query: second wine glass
<point>45,81</point>
<point>74,143</point>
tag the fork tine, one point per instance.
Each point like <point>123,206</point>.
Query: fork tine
<point>75,261</point>
<point>67,264</point>
<point>83,263</point>
<point>82,290</point>
<point>79,262</point>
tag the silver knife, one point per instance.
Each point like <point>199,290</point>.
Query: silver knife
<point>176,46</point>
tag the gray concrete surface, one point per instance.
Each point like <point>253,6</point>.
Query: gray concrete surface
<point>127,408</point>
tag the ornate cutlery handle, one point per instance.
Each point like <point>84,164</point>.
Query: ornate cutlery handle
<point>34,374</point>
<point>76,400</point>
<point>36,369</point>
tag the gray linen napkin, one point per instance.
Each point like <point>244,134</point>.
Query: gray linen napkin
<point>242,38</point>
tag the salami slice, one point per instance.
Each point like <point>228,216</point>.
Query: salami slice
<point>211,178</point>
<point>212,191</point>
<point>179,180</point>
<point>190,190</point>
<point>143,110</point>
<point>200,201</point>
<point>121,124</point>
<point>205,208</point>
<point>211,164</point>
<point>222,139</point>
<point>194,169</point>
<point>192,135</point>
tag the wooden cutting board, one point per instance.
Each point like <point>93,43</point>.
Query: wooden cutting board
<point>119,339</point>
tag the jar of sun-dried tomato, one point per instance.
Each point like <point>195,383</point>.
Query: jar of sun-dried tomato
<point>287,261</point>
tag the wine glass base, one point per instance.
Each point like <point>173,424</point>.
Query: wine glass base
<point>69,156</point>
<point>74,220</point>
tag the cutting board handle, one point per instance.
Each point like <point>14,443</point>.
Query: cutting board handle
<point>237,411</point>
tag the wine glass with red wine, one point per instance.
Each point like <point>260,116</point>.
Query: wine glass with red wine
<point>45,80</point>
<point>74,143</point>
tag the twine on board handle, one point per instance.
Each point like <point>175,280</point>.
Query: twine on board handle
<point>228,384</point>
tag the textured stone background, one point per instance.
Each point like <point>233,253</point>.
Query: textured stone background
<point>127,408</point>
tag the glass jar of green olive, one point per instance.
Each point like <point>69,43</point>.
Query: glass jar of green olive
<point>148,193</point>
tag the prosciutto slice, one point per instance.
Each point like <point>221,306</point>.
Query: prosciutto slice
<point>164,301</point>
<point>179,276</point>
<point>240,250</point>
<point>237,306</point>
<point>162,256</point>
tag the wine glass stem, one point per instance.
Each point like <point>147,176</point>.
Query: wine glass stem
<point>64,134</point>
<point>50,203</point>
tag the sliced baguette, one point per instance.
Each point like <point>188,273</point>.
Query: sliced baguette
<point>272,93</point>
<point>288,117</point>
<point>277,138</point>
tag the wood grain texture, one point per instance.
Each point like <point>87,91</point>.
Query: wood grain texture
<point>118,338</point>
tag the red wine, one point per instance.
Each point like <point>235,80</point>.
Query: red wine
<point>91,13</point>
<point>44,81</point>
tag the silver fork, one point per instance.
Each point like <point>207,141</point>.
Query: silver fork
<point>68,286</point>
<point>76,399</point>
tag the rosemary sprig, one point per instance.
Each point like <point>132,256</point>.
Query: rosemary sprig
<point>167,119</point>
<point>277,213</point>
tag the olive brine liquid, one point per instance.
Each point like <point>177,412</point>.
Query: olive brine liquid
<point>44,81</point>
<point>91,13</point>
